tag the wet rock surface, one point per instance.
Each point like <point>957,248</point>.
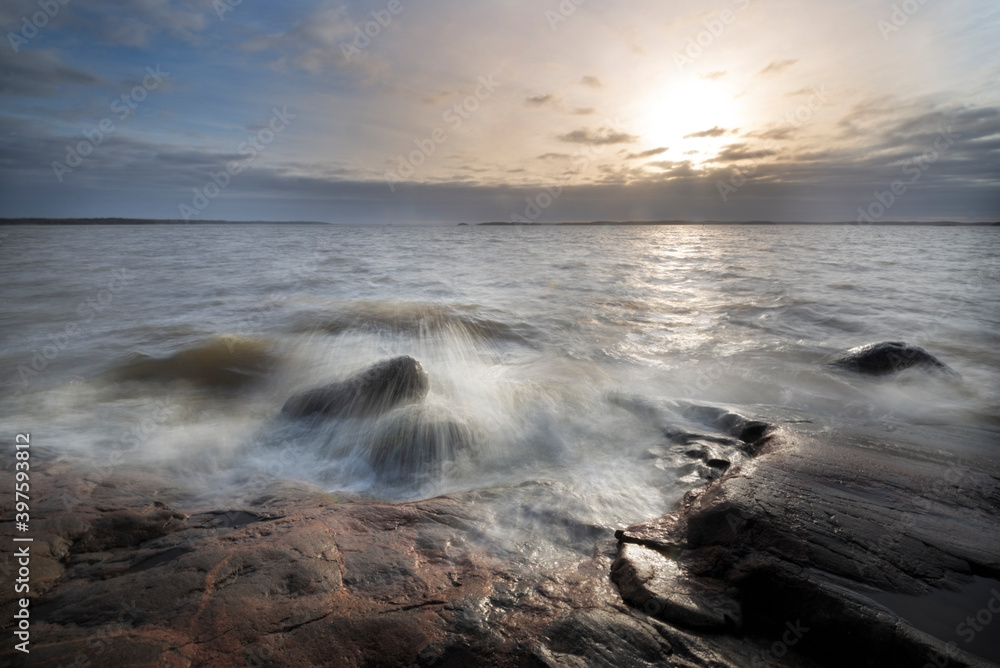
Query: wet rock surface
<point>774,562</point>
<point>888,357</point>
<point>710,439</point>
<point>221,363</point>
<point>373,391</point>
<point>291,576</point>
<point>417,439</point>
<point>804,535</point>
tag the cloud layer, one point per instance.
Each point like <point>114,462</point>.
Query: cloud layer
<point>408,112</point>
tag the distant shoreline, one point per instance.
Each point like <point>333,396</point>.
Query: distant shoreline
<point>147,221</point>
<point>940,223</point>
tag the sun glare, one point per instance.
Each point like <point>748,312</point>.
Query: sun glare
<point>691,117</point>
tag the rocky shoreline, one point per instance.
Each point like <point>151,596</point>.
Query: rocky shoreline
<point>798,544</point>
<point>770,564</point>
<point>786,554</point>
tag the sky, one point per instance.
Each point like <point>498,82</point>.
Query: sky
<point>412,111</point>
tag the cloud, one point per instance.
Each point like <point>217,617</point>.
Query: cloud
<point>542,100</point>
<point>426,60</point>
<point>40,73</point>
<point>777,66</point>
<point>149,179</point>
<point>740,151</point>
<point>673,170</point>
<point>713,132</point>
<point>647,154</point>
<point>315,43</point>
<point>775,134</point>
<point>599,137</point>
<point>438,97</point>
<point>134,23</point>
<point>808,90</point>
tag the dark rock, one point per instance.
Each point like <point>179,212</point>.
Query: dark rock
<point>417,439</point>
<point>128,529</point>
<point>603,638</point>
<point>301,578</point>
<point>659,586</point>
<point>888,357</point>
<point>221,363</point>
<point>161,558</point>
<point>805,534</point>
<point>753,431</point>
<point>751,434</point>
<point>375,390</point>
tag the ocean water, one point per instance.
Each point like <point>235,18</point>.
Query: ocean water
<point>561,356</point>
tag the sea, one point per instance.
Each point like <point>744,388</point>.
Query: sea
<point>559,355</point>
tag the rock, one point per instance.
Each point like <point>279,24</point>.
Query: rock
<point>417,439</point>
<point>804,535</point>
<point>659,586</point>
<point>292,576</point>
<point>773,564</point>
<point>221,363</point>
<point>751,433</point>
<point>128,528</point>
<point>712,438</point>
<point>888,357</point>
<point>602,638</point>
<point>375,390</point>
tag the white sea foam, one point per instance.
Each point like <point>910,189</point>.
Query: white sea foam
<point>527,336</point>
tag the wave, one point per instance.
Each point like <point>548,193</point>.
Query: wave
<point>222,362</point>
<point>417,318</point>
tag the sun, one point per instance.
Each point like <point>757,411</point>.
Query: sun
<point>692,117</point>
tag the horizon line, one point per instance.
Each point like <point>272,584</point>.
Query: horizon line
<point>42,221</point>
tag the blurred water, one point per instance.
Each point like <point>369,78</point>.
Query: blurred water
<point>175,347</point>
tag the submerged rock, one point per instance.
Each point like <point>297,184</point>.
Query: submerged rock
<point>375,390</point>
<point>223,362</point>
<point>888,357</point>
<point>417,439</point>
